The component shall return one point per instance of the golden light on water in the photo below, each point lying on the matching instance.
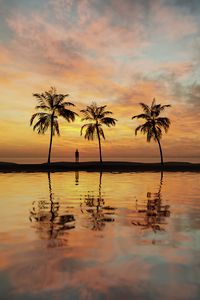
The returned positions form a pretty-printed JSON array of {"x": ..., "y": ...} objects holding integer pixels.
[{"x": 89, "y": 234}]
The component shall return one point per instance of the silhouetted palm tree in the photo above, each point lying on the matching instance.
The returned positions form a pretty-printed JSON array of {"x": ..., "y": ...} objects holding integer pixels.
[
  {"x": 97, "y": 115},
  {"x": 53, "y": 106},
  {"x": 153, "y": 123}
]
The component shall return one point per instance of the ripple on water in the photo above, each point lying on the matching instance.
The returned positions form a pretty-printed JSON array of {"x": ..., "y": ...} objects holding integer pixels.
[{"x": 100, "y": 236}]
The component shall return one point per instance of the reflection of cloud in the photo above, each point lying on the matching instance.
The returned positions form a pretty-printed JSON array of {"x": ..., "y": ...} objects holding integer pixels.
[{"x": 87, "y": 276}]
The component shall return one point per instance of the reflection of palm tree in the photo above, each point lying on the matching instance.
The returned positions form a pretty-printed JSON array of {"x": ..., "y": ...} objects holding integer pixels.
[
  {"x": 153, "y": 213},
  {"x": 161, "y": 183},
  {"x": 97, "y": 213},
  {"x": 51, "y": 224},
  {"x": 100, "y": 183},
  {"x": 97, "y": 117},
  {"x": 153, "y": 123},
  {"x": 54, "y": 207},
  {"x": 52, "y": 105}
]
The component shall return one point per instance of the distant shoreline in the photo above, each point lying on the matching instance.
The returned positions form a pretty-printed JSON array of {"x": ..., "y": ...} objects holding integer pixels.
[{"x": 107, "y": 166}]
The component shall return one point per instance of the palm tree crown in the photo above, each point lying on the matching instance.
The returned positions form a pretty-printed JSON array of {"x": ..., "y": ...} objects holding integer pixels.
[
  {"x": 153, "y": 122},
  {"x": 97, "y": 116},
  {"x": 52, "y": 105}
]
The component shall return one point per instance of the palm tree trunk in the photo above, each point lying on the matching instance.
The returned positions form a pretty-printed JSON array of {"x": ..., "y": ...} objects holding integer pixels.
[
  {"x": 159, "y": 144},
  {"x": 161, "y": 154},
  {"x": 99, "y": 140},
  {"x": 51, "y": 138}
]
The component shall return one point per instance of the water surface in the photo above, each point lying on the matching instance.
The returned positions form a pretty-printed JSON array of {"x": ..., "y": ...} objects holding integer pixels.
[
  {"x": 71, "y": 158},
  {"x": 100, "y": 236}
]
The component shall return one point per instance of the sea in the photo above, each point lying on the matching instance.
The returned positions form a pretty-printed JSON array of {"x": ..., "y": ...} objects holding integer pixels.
[
  {"x": 92, "y": 236},
  {"x": 152, "y": 159}
]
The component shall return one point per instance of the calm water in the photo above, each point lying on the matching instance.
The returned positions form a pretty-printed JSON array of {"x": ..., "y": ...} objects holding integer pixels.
[
  {"x": 93, "y": 236},
  {"x": 38, "y": 160}
]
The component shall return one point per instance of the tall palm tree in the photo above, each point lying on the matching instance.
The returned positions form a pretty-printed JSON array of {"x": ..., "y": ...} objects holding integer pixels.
[
  {"x": 52, "y": 105},
  {"x": 153, "y": 123},
  {"x": 97, "y": 117}
]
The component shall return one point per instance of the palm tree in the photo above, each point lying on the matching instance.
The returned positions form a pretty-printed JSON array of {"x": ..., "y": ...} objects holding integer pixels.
[
  {"x": 52, "y": 105},
  {"x": 97, "y": 117},
  {"x": 153, "y": 123}
]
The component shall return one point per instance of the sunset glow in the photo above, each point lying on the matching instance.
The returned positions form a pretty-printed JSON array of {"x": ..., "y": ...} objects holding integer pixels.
[{"x": 116, "y": 53}]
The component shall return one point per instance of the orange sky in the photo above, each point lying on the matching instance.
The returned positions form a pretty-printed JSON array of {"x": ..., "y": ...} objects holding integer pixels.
[{"x": 117, "y": 53}]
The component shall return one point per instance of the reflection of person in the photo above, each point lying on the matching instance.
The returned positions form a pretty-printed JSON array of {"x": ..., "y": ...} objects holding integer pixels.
[
  {"x": 76, "y": 155},
  {"x": 76, "y": 178}
]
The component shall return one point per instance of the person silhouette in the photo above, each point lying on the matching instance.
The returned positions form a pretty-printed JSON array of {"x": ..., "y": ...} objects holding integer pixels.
[{"x": 76, "y": 155}]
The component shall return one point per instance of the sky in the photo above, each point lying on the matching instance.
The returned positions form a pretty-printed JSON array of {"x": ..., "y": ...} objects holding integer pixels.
[{"x": 114, "y": 52}]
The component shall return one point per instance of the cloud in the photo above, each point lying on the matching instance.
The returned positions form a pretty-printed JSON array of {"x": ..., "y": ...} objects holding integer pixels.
[
  {"x": 115, "y": 52},
  {"x": 192, "y": 6},
  {"x": 170, "y": 20},
  {"x": 98, "y": 37},
  {"x": 194, "y": 95}
]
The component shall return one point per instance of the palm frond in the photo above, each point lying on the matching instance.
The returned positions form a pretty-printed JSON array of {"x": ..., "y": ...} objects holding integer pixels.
[
  {"x": 101, "y": 133},
  {"x": 93, "y": 110},
  {"x": 100, "y": 111},
  {"x": 137, "y": 129},
  {"x": 90, "y": 131},
  {"x": 150, "y": 135},
  {"x": 42, "y": 106},
  {"x": 83, "y": 127},
  {"x": 67, "y": 114},
  {"x": 41, "y": 99},
  {"x": 164, "y": 106},
  {"x": 147, "y": 129},
  {"x": 163, "y": 122},
  {"x": 68, "y": 103},
  {"x": 107, "y": 112},
  {"x": 32, "y": 118},
  {"x": 42, "y": 124},
  {"x": 158, "y": 133},
  {"x": 141, "y": 116},
  {"x": 50, "y": 98},
  {"x": 56, "y": 127},
  {"x": 88, "y": 114},
  {"x": 37, "y": 115},
  {"x": 59, "y": 98},
  {"x": 108, "y": 121},
  {"x": 145, "y": 107},
  {"x": 153, "y": 103},
  {"x": 156, "y": 109},
  {"x": 87, "y": 118}
]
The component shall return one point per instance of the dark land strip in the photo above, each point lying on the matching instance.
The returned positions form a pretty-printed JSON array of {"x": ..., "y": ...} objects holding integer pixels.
[{"x": 107, "y": 166}]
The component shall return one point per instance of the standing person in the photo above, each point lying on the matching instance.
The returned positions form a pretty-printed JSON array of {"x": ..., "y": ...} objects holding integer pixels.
[{"x": 76, "y": 155}]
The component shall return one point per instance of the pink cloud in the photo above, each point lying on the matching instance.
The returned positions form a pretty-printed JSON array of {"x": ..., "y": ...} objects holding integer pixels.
[
  {"x": 98, "y": 53},
  {"x": 179, "y": 69},
  {"x": 172, "y": 21}
]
